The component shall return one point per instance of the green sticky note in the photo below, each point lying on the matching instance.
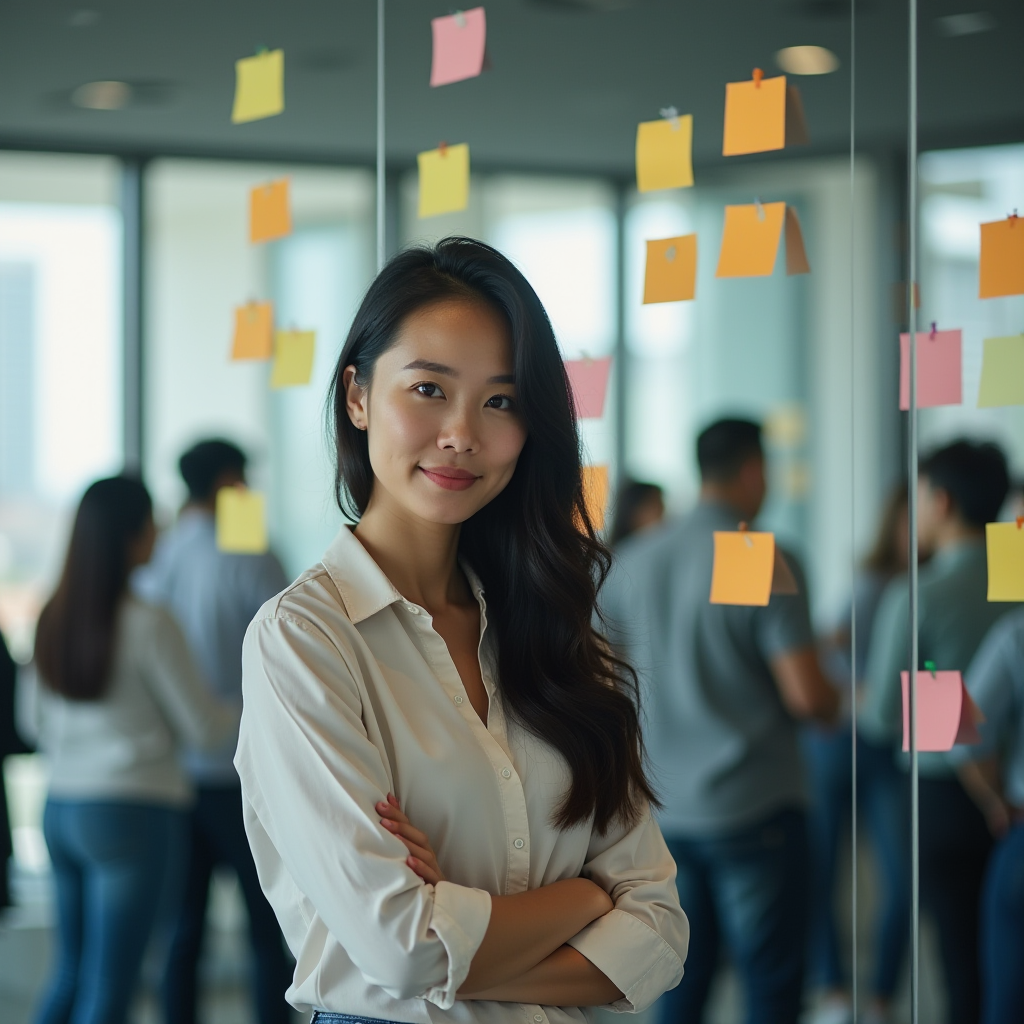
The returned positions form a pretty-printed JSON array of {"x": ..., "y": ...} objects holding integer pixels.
[{"x": 1002, "y": 372}]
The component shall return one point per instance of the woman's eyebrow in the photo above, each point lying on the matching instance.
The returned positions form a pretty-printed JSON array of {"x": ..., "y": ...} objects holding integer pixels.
[{"x": 448, "y": 371}]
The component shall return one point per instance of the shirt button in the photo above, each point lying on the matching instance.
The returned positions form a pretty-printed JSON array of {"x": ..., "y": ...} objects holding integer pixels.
[
  {"x": 458, "y": 699},
  {"x": 506, "y": 773},
  {"x": 537, "y": 1017},
  {"x": 519, "y": 844}
]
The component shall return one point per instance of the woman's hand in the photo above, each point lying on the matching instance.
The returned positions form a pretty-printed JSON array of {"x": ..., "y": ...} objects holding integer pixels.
[{"x": 422, "y": 858}]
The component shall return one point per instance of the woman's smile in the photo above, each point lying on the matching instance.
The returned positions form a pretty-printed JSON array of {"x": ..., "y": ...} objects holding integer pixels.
[{"x": 449, "y": 477}]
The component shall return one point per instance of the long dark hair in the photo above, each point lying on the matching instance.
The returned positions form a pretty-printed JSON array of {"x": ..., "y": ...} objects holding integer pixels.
[
  {"x": 75, "y": 636},
  {"x": 534, "y": 546},
  {"x": 886, "y": 556}
]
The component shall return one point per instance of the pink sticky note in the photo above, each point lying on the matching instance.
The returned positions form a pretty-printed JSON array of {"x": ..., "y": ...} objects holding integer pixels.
[
  {"x": 945, "y": 712},
  {"x": 939, "y": 369},
  {"x": 459, "y": 44},
  {"x": 589, "y": 380}
]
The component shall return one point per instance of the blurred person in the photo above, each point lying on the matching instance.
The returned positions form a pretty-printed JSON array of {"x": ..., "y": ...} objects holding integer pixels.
[
  {"x": 114, "y": 695},
  {"x": 639, "y": 506},
  {"x": 213, "y": 596},
  {"x": 725, "y": 689},
  {"x": 10, "y": 743},
  {"x": 960, "y": 488},
  {"x": 881, "y": 790},
  {"x": 993, "y": 773}
]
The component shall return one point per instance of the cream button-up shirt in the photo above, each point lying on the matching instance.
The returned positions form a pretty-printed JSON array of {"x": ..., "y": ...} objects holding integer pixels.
[{"x": 349, "y": 694}]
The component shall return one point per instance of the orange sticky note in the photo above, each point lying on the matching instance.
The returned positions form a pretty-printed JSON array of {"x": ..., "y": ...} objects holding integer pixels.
[
  {"x": 241, "y": 521},
  {"x": 1005, "y": 547},
  {"x": 671, "y": 272},
  {"x": 460, "y": 43},
  {"x": 293, "y": 358},
  {"x": 254, "y": 331},
  {"x": 664, "y": 153},
  {"x": 588, "y": 379},
  {"x": 1002, "y": 258},
  {"x": 744, "y": 567},
  {"x": 945, "y": 712},
  {"x": 750, "y": 240},
  {"x": 270, "y": 214},
  {"x": 939, "y": 369},
  {"x": 762, "y": 114},
  {"x": 595, "y": 493},
  {"x": 796, "y": 254}
]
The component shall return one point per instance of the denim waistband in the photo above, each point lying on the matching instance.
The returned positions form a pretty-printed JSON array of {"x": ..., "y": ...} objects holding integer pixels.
[{"x": 327, "y": 1017}]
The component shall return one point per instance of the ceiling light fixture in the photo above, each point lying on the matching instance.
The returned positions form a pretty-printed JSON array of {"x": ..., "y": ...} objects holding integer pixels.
[
  {"x": 954, "y": 25},
  {"x": 806, "y": 60},
  {"x": 102, "y": 95}
]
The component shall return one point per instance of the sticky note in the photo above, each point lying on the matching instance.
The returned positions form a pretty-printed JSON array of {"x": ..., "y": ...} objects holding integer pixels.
[
  {"x": 762, "y": 114},
  {"x": 589, "y": 381},
  {"x": 1005, "y": 545},
  {"x": 270, "y": 212},
  {"x": 939, "y": 369},
  {"x": 595, "y": 493},
  {"x": 796, "y": 254},
  {"x": 1002, "y": 258},
  {"x": 444, "y": 180},
  {"x": 1002, "y": 372},
  {"x": 750, "y": 240},
  {"x": 293, "y": 358},
  {"x": 460, "y": 43},
  {"x": 671, "y": 271},
  {"x": 241, "y": 521},
  {"x": 945, "y": 712},
  {"x": 664, "y": 153},
  {"x": 744, "y": 567},
  {"x": 254, "y": 331},
  {"x": 259, "y": 86}
]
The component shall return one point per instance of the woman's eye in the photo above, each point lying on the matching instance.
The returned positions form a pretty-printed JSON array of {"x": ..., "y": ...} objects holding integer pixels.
[
  {"x": 429, "y": 390},
  {"x": 503, "y": 402}
]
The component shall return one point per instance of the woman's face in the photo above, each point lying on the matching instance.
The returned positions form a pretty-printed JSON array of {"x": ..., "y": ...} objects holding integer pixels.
[{"x": 440, "y": 412}]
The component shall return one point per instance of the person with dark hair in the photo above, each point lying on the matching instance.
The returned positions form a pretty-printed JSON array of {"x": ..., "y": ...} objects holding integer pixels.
[
  {"x": 119, "y": 694},
  {"x": 639, "y": 506},
  {"x": 441, "y": 759},
  {"x": 881, "y": 790},
  {"x": 725, "y": 689},
  {"x": 960, "y": 488},
  {"x": 214, "y": 595}
]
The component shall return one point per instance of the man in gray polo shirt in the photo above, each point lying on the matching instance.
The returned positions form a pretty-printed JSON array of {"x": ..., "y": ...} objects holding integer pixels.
[{"x": 724, "y": 690}]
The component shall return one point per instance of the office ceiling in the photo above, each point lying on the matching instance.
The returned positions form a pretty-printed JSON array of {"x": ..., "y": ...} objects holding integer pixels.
[{"x": 570, "y": 78}]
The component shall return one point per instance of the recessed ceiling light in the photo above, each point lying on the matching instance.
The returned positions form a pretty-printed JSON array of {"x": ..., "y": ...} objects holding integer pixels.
[
  {"x": 83, "y": 18},
  {"x": 806, "y": 60},
  {"x": 965, "y": 24},
  {"x": 102, "y": 95}
]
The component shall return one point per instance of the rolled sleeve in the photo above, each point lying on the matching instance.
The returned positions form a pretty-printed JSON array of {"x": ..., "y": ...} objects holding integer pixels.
[
  {"x": 641, "y": 944},
  {"x": 460, "y": 919}
]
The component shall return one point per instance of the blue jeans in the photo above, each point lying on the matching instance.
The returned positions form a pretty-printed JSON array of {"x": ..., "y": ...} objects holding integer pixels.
[
  {"x": 217, "y": 837},
  {"x": 883, "y": 796},
  {"x": 1002, "y": 932},
  {"x": 115, "y": 866},
  {"x": 750, "y": 889}
]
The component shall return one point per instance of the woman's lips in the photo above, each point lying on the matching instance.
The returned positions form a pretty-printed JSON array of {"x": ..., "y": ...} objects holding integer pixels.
[{"x": 449, "y": 478}]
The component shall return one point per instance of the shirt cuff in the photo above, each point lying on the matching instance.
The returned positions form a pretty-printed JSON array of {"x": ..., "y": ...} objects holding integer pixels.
[
  {"x": 650, "y": 968},
  {"x": 460, "y": 919}
]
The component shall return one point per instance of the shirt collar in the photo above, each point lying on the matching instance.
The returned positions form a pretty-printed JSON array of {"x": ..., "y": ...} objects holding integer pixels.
[
  {"x": 361, "y": 582},
  {"x": 959, "y": 553}
]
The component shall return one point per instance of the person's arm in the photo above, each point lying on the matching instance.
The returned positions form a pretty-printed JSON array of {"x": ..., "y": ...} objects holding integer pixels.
[
  {"x": 881, "y": 701},
  {"x": 565, "y": 978},
  {"x": 982, "y": 780},
  {"x": 804, "y": 690}
]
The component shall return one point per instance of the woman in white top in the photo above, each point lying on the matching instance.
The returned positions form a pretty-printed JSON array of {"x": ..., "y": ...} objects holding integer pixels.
[
  {"x": 117, "y": 697},
  {"x": 442, "y": 769}
]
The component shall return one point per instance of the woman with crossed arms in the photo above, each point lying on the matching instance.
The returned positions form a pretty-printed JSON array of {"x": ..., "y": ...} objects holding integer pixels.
[{"x": 442, "y": 768}]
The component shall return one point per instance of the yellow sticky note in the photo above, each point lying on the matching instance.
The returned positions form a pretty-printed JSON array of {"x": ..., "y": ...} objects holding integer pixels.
[
  {"x": 595, "y": 493},
  {"x": 241, "y": 521},
  {"x": 744, "y": 567},
  {"x": 270, "y": 211},
  {"x": 1005, "y": 561},
  {"x": 1002, "y": 372},
  {"x": 293, "y": 358},
  {"x": 663, "y": 153},
  {"x": 444, "y": 180},
  {"x": 259, "y": 87},
  {"x": 750, "y": 240},
  {"x": 671, "y": 271},
  {"x": 1002, "y": 258},
  {"x": 254, "y": 331}
]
